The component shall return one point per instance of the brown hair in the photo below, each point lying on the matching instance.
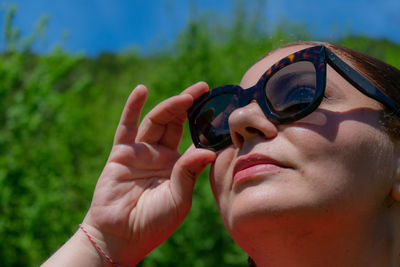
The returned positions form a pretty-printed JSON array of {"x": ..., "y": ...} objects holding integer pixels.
[{"x": 382, "y": 75}]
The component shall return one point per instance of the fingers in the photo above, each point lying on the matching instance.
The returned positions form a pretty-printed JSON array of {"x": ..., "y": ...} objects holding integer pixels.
[
  {"x": 171, "y": 114},
  {"x": 128, "y": 125},
  {"x": 186, "y": 171},
  {"x": 196, "y": 90},
  {"x": 164, "y": 124},
  {"x": 173, "y": 135}
]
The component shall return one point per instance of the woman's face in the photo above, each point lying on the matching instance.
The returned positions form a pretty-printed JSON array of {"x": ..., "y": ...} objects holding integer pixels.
[{"x": 335, "y": 165}]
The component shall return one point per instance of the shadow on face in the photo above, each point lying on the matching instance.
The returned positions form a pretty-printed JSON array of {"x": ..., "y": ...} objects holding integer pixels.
[{"x": 326, "y": 122}]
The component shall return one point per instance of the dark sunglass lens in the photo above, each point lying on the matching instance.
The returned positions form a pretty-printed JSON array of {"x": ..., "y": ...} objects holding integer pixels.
[
  {"x": 293, "y": 89},
  {"x": 211, "y": 123}
]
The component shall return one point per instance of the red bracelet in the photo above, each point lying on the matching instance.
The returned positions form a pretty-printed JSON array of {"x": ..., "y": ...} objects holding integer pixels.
[{"x": 94, "y": 243}]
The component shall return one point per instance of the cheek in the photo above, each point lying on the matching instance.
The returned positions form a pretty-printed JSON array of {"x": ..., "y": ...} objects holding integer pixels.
[
  {"x": 351, "y": 161},
  {"x": 342, "y": 136},
  {"x": 219, "y": 176}
]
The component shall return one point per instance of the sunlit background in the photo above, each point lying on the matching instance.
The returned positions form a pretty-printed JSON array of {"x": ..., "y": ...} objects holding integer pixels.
[{"x": 67, "y": 67}]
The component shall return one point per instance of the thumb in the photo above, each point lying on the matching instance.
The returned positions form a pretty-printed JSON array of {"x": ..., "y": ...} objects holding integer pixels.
[{"x": 186, "y": 171}]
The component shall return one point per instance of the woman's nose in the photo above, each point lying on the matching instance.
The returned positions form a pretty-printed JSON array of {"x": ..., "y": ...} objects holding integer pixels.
[{"x": 250, "y": 122}]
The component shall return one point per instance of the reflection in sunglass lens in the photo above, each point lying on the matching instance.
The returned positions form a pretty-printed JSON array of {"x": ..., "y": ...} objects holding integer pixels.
[
  {"x": 292, "y": 89},
  {"x": 212, "y": 121}
]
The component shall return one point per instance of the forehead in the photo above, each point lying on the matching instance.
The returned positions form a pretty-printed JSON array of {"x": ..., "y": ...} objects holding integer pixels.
[{"x": 254, "y": 73}]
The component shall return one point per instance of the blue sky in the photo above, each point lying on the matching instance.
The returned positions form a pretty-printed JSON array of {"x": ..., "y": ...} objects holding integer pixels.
[{"x": 93, "y": 26}]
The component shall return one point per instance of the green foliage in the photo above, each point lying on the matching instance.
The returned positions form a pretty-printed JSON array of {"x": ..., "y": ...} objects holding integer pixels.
[
  {"x": 46, "y": 149},
  {"x": 58, "y": 113}
]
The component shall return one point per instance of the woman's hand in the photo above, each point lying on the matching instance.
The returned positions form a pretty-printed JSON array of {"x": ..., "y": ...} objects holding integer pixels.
[{"x": 145, "y": 190}]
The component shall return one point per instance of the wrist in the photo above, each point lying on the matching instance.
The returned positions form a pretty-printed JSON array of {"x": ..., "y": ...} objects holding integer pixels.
[
  {"x": 98, "y": 245},
  {"x": 113, "y": 250},
  {"x": 77, "y": 251}
]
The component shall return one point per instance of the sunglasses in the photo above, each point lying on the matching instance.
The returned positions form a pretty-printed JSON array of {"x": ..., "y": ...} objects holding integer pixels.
[{"x": 288, "y": 91}]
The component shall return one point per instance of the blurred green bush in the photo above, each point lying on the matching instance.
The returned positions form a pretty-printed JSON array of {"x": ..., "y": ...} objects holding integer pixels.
[{"x": 58, "y": 113}]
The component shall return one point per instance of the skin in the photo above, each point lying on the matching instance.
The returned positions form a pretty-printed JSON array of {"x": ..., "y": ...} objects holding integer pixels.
[
  {"x": 336, "y": 202},
  {"x": 332, "y": 203},
  {"x": 145, "y": 190}
]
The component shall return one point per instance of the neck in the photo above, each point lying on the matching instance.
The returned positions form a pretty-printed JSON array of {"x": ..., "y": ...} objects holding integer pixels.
[{"x": 294, "y": 242}]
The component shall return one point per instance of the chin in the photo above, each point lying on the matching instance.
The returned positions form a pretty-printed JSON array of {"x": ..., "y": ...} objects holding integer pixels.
[{"x": 263, "y": 207}]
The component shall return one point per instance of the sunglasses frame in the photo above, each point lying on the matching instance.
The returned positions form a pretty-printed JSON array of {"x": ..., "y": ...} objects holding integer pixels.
[{"x": 319, "y": 56}]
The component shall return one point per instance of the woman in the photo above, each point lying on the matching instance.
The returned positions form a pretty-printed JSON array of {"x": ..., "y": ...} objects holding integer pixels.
[{"x": 305, "y": 165}]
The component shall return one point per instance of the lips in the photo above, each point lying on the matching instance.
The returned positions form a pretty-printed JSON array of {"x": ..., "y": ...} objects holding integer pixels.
[{"x": 255, "y": 165}]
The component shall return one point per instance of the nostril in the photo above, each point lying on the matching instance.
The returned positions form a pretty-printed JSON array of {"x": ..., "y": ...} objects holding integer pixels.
[
  {"x": 239, "y": 138},
  {"x": 253, "y": 130}
]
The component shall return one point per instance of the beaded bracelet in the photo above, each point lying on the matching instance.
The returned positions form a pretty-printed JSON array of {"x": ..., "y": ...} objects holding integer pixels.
[{"x": 98, "y": 248}]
